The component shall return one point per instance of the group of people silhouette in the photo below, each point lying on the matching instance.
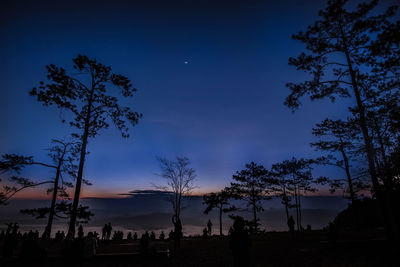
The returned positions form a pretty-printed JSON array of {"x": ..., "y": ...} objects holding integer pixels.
[
  {"x": 26, "y": 242},
  {"x": 86, "y": 246},
  {"x": 207, "y": 231},
  {"x": 106, "y": 231}
]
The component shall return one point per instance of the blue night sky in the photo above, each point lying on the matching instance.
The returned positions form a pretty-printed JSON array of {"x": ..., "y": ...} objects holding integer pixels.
[{"x": 222, "y": 110}]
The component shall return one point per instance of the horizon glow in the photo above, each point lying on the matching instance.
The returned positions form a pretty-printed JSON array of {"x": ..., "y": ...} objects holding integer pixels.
[{"x": 222, "y": 110}]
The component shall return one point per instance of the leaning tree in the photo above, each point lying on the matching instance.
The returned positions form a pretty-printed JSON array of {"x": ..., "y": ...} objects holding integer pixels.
[
  {"x": 90, "y": 94},
  {"x": 63, "y": 157}
]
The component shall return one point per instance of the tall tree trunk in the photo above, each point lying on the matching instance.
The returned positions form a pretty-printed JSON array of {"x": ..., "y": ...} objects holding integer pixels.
[
  {"x": 363, "y": 125},
  {"x": 299, "y": 223},
  {"x": 47, "y": 230},
  {"x": 71, "y": 229},
  {"x": 285, "y": 201},
  {"x": 286, "y": 207},
  {"x": 255, "y": 217},
  {"x": 349, "y": 181},
  {"x": 386, "y": 206},
  {"x": 297, "y": 206},
  {"x": 385, "y": 171},
  {"x": 220, "y": 221}
]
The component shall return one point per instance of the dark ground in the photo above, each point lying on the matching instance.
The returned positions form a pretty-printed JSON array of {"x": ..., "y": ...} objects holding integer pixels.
[{"x": 270, "y": 249}]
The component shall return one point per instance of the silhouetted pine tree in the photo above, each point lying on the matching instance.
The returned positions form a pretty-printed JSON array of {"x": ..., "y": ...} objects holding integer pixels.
[
  {"x": 337, "y": 136},
  {"x": 295, "y": 179},
  {"x": 220, "y": 201},
  {"x": 342, "y": 63},
  {"x": 252, "y": 185},
  {"x": 92, "y": 100}
]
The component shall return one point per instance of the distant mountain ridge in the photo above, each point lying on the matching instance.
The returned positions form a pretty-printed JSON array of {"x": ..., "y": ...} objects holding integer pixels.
[{"x": 149, "y": 210}]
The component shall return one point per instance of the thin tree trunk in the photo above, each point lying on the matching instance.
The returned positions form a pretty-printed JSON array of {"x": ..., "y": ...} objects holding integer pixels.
[
  {"x": 386, "y": 206},
  {"x": 255, "y": 217},
  {"x": 47, "y": 233},
  {"x": 299, "y": 223},
  {"x": 71, "y": 229},
  {"x": 285, "y": 201},
  {"x": 362, "y": 122},
  {"x": 286, "y": 208},
  {"x": 349, "y": 181},
  {"x": 297, "y": 206},
  {"x": 387, "y": 181},
  {"x": 220, "y": 221}
]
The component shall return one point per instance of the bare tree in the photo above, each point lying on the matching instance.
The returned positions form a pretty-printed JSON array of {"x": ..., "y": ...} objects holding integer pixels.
[{"x": 180, "y": 178}]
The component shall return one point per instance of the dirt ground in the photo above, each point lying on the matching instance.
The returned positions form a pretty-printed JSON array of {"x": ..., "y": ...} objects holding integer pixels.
[{"x": 270, "y": 249}]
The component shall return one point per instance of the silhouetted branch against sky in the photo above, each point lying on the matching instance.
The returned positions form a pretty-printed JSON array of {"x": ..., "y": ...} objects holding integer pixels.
[
  {"x": 180, "y": 179},
  {"x": 92, "y": 102}
]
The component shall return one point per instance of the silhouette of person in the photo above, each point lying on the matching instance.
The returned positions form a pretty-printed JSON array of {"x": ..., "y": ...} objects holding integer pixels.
[
  {"x": 135, "y": 236},
  {"x": 104, "y": 232},
  {"x": 171, "y": 235},
  {"x": 152, "y": 236},
  {"x": 81, "y": 234},
  {"x": 178, "y": 231},
  {"x": 10, "y": 240},
  {"x": 239, "y": 243},
  {"x": 291, "y": 224},
  {"x": 109, "y": 230},
  {"x": 205, "y": 232},
  {"x": 162, "y": 235},
  {"x": 209, "y": 225},
  {"x": 144, "y": 243},
  {"x": 332, "y": 232},
  {"x": 90, "y": 245},
  {"x": 58, "y": 236},
  {"x": 36, "y": 237},
  {"x": 129, "y": 237},
  {"x": 30, "y": 248}
]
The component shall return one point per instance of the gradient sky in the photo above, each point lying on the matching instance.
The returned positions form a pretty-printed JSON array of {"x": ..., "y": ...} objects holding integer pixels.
[{"x": 222, "y": 110}]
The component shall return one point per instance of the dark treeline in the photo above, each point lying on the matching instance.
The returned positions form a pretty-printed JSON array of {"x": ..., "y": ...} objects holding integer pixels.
[{"x": 350, "y": 54}]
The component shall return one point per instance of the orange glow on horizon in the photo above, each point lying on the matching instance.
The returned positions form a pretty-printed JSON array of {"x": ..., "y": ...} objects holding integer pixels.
[{"x": 40, "y": 194}]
